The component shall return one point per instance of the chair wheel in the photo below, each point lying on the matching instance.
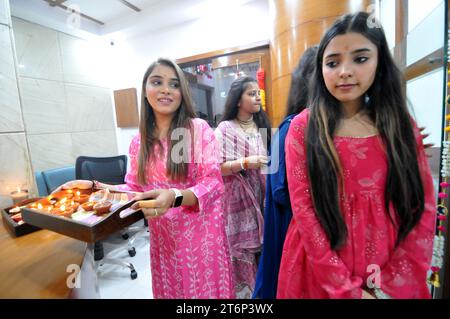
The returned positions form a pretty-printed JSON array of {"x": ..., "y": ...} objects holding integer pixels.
[
  {"x": 125, "y": 236},
  {"x": 132, "y": 252},
  {"x": 133, "y": 275}
]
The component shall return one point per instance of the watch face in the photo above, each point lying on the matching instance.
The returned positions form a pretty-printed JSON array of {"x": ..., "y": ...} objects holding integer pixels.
[
  {"x": 178, "y": 200},
  {"x": 178, "y": 197}
]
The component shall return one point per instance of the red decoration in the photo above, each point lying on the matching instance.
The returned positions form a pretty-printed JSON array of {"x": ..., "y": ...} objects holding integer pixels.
[
  {"x": 260, "y": 75},
  {"x": 435, "y": 269}
]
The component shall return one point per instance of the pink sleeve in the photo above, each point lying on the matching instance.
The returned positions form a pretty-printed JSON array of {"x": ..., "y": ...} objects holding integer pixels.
[
  {"x": 404, "y": 276},
  {"x": 208, "y": 185},
  {"x": 131, "y": 177},
  {"x": 330, "y": 273}
]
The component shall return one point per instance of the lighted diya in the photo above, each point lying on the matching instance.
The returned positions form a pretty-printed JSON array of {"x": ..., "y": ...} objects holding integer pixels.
[
  {"x": 63, "y": 211},
  {"x": 88, "y": 206},
  {"x": 102, "y": 207},
  {"x": 44, "y": 207},
  {"x": 81, "y": 198},
  {"x": 68, "y": 194},
  {"x": 33, "y": 205},
  {"x": 61, "y": 202},
  {"x": 17, "y": 217},
  {"x": 49, "y": 200},
  {"x": 74, "y": 205},
  {"x": 14, "y": 210}
]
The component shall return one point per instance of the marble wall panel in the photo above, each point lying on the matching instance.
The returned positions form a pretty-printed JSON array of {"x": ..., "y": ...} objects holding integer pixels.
[
  {"x": 15, "y": 168},
  {"x": 44, "y": 106},
  {"x": 10, "y": 112},
  {"x": 89, "y": 108},
  {"x": 37, "y": 49}
]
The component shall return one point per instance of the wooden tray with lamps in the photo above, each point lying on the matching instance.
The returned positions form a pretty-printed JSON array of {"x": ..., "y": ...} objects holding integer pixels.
[
  {"x": 13, "y": 221},
  {"x": 93, "y": 228}
]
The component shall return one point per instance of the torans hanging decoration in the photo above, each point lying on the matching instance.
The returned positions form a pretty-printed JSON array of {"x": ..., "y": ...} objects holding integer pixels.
[
  {"x": 260, "y": 75},
  {"x": 437, "y": 261},
  {"x": 204, "y": 70},
  {"x": 442, "y": 212}
]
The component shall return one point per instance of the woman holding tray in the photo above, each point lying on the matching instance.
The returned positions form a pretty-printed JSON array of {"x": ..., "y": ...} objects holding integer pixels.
[{"x": 174, "y": 163}]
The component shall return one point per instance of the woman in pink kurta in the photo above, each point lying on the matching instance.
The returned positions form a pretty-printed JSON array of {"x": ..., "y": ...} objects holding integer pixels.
[
  {"x": 310, "y": 269},
  {"x": 188, "y": 246},
  {"x": 360, "y": 185},
  {"x": 175, "y": 170},
  {"x": 174, "y": 165}
]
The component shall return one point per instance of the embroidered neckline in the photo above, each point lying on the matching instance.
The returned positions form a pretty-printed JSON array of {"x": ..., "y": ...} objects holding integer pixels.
[{"x": 358, "y": 137}]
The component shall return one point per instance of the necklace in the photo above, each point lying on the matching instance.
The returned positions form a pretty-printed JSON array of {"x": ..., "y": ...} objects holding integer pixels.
[
  {"x": 247, "y": 122},
  {"x": 247, "y": 126}
]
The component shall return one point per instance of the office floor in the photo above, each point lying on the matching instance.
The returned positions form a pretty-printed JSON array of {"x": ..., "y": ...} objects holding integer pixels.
[{"x": 114, "y": 281}]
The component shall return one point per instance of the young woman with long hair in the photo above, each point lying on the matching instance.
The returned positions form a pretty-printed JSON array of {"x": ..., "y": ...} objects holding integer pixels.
[
  {"x": 360, "y": 185},
  {"x": 243, "y": 136},
  {"x": 174, "y": 163}
]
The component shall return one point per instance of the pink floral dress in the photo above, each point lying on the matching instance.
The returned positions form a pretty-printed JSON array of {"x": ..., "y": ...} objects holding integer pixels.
[
  {"x": 188, "y": 246},
  {"x": 310, "y": 269}
]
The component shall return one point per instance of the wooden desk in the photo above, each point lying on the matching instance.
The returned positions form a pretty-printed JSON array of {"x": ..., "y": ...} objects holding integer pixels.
[{"x": 35, "y": 265}]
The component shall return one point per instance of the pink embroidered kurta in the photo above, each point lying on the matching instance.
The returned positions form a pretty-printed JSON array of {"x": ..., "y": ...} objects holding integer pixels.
[
  {"x": 310, "y": 269},
  {"x": 188, "y": 246},
  {"x": 244, "y": 193}
]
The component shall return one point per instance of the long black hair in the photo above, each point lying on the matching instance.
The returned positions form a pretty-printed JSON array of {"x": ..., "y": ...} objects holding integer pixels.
[
  {"x": 387, "y": 108},
  {"x": 237, "y": 88},
  {"x": 301, "y": 76}
]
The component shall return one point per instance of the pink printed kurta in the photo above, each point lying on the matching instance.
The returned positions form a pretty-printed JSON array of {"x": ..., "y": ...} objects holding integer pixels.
[
  {"x": 244, "y": 193},
  {"x": 188, "y": 246},
  {"x": 310, "y": 269}
]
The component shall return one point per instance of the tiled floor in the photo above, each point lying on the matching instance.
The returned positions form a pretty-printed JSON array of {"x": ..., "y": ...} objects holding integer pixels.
[{"x": 114, "y": 281}]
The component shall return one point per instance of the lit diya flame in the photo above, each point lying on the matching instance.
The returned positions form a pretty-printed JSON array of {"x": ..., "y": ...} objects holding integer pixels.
[
  {"x": 51, "y": 200},
  {"x": 78, "y": 193},
  {"x": 39, "y": 206}
]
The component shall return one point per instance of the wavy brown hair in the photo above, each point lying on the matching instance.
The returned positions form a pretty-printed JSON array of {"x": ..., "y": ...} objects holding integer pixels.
[
  {"x": 147, "y": 125},
  {"x": 388, "y": 110}
]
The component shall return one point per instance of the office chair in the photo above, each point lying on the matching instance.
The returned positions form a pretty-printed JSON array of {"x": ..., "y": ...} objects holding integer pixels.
[
  {"x": 40, "y": 183},
  {"x": 47, "y": 181},
  {"x": 109, "y": 170}
]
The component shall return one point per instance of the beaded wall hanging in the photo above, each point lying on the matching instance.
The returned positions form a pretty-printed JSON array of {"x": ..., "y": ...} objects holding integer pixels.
[{"x": 442, "y": 212}]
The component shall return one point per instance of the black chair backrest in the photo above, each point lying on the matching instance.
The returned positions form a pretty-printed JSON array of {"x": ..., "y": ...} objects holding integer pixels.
[{"x": 110, "y": 170}]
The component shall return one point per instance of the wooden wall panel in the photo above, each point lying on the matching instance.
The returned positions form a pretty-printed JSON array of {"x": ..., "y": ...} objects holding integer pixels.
[
  {"x": 298, "y": 25},
  {"x": 125, "y": 102}
]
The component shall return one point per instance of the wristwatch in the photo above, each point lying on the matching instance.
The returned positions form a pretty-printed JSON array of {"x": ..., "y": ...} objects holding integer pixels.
[{"x": 178, "y": 197}]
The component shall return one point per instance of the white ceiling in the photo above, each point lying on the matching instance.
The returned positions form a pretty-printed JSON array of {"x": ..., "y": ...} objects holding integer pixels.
[{"x": 119, "y": 20}]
